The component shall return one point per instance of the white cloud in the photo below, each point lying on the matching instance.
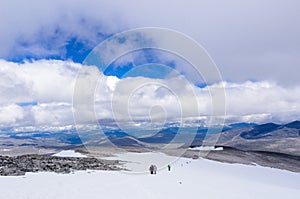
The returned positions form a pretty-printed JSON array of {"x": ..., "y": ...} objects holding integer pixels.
[
  {"x": 10, "y": 114},
  {"x": 51, "y": 84},
  {"x": 52, "y": 114},
  {"x": 249, "y": 101},
  {"x": 41, "y": 81},
  {"x": 262, "y": 102},
  {"x": 48, "y": 83}
]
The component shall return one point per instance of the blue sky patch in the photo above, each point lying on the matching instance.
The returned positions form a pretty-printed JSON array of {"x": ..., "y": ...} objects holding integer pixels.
[{"x": 24, "y": 104}]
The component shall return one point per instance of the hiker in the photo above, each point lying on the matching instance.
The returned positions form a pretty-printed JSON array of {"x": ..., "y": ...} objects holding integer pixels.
[
  {"x": 155, "y": 169},
  {"x": 151, "y": 169},
  {"x": 169, "y": 167}
]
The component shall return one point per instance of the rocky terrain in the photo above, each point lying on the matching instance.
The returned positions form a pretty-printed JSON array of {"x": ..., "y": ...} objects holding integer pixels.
[
  {"x": 270, "y": 137},
  {"x": 19, "y": 165}
]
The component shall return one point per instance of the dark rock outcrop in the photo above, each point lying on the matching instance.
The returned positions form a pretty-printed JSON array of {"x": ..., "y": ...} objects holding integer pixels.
[{"x": 19, "y": 165}]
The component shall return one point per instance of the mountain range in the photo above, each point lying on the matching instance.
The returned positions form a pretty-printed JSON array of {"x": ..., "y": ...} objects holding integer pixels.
[{"x": 269, "y": 137}]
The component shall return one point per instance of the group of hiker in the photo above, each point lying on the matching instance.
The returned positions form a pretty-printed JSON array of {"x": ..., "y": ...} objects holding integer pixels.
[{"x": 153, "y": 169}]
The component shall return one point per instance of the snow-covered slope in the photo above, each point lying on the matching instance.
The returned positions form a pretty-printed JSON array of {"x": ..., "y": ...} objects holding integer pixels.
[{"x": 187, "y": 179}]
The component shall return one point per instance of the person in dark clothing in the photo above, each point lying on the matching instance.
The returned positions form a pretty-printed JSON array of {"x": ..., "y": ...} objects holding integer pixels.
[
  {"x": 151, "y": 169},
  {"x": 169, "y": 167}
]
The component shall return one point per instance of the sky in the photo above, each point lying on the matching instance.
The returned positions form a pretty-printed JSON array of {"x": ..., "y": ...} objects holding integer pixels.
[{"x": 255, "y": 46}]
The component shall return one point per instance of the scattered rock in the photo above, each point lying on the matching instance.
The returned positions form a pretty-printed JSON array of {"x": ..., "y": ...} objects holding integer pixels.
[{"x": 19, "y": 165}]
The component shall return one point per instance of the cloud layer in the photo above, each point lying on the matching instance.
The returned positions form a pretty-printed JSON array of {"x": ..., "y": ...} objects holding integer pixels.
[{"x": 51, "y": 83}]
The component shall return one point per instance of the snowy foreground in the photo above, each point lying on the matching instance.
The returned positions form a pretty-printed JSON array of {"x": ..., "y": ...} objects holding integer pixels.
[{"x": 187, "y": 179}]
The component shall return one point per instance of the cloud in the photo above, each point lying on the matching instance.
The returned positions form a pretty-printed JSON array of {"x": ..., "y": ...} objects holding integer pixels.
[
  {"x": 10, "y": 114},
  {"x": 47, "y": 86},
  {"x": 52, "y": 114},
  {"x": 262, "y": 102},
  {"x": 43, "y": 86},
  {"x": 42, "y": 81},
  {"x": 249, "y": 101},
  {"x": 42, "y": 29},
  {"x": 255, "y": 45},
  {"x": 251, "y": 40}
]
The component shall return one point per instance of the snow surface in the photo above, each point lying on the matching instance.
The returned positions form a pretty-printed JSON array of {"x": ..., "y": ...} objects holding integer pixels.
[
  {"x": 206, "y": 148},
  {"x": 187, "y": 179},
  {"x": 5, "y": 150},
  {"x": 69, "y": 153},
  {"x": 140, "y": 162}
]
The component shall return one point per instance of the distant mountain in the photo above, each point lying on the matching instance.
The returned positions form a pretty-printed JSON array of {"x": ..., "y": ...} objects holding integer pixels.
[
  {"x": 260, "y": 131},
  {"x": 266, "y": 130},
  {"x": 266, "y": 137},
  {"x": 126, "y": 141},
  {"x": 245, "y": 136},
  {"x": 295, "y": 125},
  {"x": 238, "y": 125},
  {"x": 163, "y": 136}
]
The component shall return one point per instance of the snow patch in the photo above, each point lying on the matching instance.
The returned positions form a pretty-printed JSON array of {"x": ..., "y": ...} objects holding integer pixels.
[
  {"x": 69, "y": 153},
  {"x": 206, "y": 148}
]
